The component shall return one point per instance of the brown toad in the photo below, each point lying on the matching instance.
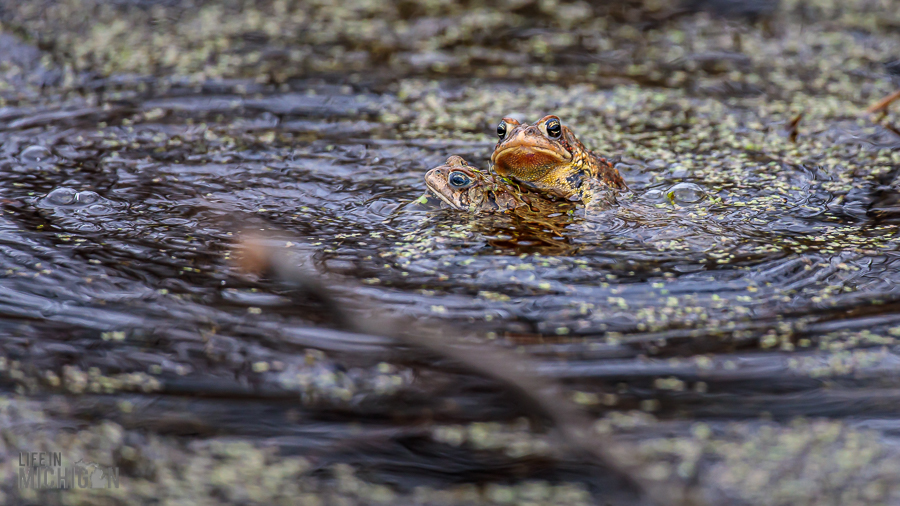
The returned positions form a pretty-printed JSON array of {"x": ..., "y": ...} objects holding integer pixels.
[
  {"x": 547, "y": 157},
  {"x": 466, "y": 188}
]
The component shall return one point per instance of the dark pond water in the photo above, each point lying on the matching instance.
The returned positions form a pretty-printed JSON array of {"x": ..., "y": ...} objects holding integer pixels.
[{"x": 732, "y": 322}]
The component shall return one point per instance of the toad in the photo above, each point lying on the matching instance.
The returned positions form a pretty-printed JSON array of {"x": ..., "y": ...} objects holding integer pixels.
[
  {"x": 545, "y": 156},
  {"x": 465, "y": 188}
]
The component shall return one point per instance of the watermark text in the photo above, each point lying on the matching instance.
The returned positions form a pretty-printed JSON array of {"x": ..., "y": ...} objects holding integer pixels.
[{"x": 45, "y": 470}]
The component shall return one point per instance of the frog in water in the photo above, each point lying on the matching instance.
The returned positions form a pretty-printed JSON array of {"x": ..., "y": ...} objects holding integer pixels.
[
  {"x": 466, "y": 188},
  {"x": 547, "y": 157}
]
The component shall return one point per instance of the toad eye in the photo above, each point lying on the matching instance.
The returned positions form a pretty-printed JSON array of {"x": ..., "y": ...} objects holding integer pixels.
[
  {"x": 554, "y": 130},
  {"x": 459, "y": 180},
  {"x": 501, "y": 130}
]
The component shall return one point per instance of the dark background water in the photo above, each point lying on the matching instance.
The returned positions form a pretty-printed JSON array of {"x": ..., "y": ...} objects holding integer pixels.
[{"x": 732, "y": 323}]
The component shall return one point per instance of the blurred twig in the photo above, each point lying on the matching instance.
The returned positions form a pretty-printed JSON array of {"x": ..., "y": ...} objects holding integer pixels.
[
  {"x": 539, "y": 396},
  {"x": 882, "y": 105}
]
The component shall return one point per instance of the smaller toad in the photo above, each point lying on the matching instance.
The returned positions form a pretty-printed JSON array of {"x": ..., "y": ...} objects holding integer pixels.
[{"x": 465, "y": 188}]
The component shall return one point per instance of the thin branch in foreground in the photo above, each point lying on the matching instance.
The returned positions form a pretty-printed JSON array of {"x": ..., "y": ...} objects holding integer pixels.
[
  {"x": 882, "y": 105},
  {"x": 539, "y": 396}
]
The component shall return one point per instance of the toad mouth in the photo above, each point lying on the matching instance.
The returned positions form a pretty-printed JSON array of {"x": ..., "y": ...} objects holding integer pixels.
[
  {"x": 440, "y": 196},
  {"x": 533, "y": 150}
]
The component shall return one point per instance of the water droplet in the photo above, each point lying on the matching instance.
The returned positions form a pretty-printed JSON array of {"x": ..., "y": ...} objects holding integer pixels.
[
  {"x": 61, "y": 197},
  {"x": 686, "y": 193},
  {"x": 36, "y": 154}
]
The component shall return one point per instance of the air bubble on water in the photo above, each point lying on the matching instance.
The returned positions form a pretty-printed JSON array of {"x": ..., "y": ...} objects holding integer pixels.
[
  {"x": 36, "y": 154},
  {"x": 68, "y": 197},
  {"x": 686, "y": 193},
  {"x": 85, "y": 227},
  {"x": 87, "y": 197},
  {"x": 98, "y": 210},
  {"x": 61, "y": 197}
]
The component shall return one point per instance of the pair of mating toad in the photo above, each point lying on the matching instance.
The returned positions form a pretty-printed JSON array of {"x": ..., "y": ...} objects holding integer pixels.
[{"x": 534, "y": 162}]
